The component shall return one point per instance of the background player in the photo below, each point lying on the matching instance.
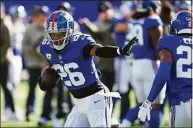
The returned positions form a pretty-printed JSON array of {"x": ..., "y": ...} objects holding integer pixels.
[
  {"x": 122, "y": 64},
  {"x": 175, "y": 68},
  {"x": 147, "y": 25},
  {"x": 77, "y": 69}
]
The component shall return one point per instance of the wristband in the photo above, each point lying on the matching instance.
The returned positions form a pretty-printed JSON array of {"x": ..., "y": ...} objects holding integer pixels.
[{"x": 118, "y": 51}]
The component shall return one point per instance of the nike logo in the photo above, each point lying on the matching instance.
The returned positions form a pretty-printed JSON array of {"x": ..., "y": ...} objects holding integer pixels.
[{"x": 96, "y": 101}]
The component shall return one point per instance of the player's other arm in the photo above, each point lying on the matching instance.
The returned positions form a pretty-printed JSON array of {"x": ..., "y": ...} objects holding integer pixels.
[
  {"x": 108, "y": 51},
  {"x": 155, "y": 33},
  {"x": 121, "y": 27},
  {"x": 161, "y": 78},
  {"x": 162, "y": 75}
]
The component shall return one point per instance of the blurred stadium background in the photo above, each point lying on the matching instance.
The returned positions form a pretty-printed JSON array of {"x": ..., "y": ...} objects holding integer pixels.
[{"x": 87, "y": 9}]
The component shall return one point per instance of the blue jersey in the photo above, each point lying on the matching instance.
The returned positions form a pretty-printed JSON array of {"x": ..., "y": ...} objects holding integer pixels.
[
  {"x": 76, "y": 71},
  {"x": 120, "y": 37},
  {"x": 140, "y": 28},
  {"x": 180, "y": 76}
]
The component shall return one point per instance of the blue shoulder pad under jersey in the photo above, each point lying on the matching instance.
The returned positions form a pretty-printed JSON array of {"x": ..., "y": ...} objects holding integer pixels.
[
  {"x": 165, "y": 43},
  {"x": 154, "y": 21},
  {"x": 120, "y": 37}
]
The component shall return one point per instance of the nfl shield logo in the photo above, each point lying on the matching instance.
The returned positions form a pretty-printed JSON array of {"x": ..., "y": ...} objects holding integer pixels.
[{"x": 49, "y": 56}]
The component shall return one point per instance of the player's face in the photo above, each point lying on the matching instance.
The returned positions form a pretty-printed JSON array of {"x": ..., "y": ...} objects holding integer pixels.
[
  {"x": 40, "y": 19},
  {"x": 58, "y": 38}
]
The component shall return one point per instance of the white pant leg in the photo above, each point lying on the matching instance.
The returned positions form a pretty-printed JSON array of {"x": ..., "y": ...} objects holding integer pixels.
[
  {"x": 181, "y": 115},
  {"x": 77, "y": 120},
  {"x": 100, "y": 110},
  {"x": 92, "y": 111},
  {"x": 151, "y": 69},
  {"x": 143, "y": 75},
  {"x": 78, "y": 116},
  {"x": 15, "y": 70},
  {"x": 137, "y": 80},
  {"x": 122, "y": 74}
]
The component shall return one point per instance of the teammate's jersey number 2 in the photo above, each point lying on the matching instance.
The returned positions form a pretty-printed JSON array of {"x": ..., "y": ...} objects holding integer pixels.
[
  {"x": 183, "y": 61},
  {"x": 75, "y": 78}
]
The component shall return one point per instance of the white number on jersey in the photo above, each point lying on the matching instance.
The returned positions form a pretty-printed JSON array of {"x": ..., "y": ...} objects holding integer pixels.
[
  {"x": 136, "y": 30},
  {"x": 64, "y": 71},
  {"x": 183, "y": 61}
]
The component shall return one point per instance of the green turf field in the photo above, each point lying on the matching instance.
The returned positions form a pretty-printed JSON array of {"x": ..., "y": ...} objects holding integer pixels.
[{"x": 20, "y": 100}]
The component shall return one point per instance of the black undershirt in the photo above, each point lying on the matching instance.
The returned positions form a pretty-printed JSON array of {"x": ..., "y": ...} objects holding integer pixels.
[{"x": 101, "y": 51}]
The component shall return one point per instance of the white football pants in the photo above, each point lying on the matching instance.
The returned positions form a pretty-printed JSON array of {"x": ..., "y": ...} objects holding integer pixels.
[
  {"x": 180, "y": 115},
  {"x": 122, "y": 74},
  {"x": 143, "y": 74},
  {"x": 91, "y": 111},
  {"x": 15, "y": 70}
]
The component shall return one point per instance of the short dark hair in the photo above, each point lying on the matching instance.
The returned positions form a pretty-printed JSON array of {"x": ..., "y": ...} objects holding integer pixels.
[
  {"x": 38, "y": 10},
  {"x": 65, "y": 6},
  {"x": 104, "y": 5}
]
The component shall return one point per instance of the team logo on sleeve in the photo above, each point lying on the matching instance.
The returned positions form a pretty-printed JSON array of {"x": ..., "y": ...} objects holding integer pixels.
[{"x": 49, "y": 56}]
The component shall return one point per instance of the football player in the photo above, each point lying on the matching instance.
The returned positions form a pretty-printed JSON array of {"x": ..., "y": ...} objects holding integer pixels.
[
  {"x": 175, "y": 68},
  {"x": 122, "y": 64},
  {"x": 147, "y": 25},
  {"x": 71, "y": 55}
]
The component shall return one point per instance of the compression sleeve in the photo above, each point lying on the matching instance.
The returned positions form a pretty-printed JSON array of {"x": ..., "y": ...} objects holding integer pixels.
[
  {"x": 101, "y": 51},
  {"x": 161, "y": 78}
]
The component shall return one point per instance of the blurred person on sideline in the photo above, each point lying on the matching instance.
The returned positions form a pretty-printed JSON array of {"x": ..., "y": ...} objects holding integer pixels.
[
  {"x": 101, "y": 30},
  {"x": 65, "y": 6},
  {"x": 64, "y": 102},
  {"x": 169, "y": 8},
  {"x": 33, "y": 35},
  {"x": 17, "y": 13},
  {"x": 5, "y": 54}
]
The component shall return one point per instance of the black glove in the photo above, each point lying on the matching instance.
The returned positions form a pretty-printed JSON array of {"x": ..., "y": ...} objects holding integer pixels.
[{"x": 126, "y": 50}]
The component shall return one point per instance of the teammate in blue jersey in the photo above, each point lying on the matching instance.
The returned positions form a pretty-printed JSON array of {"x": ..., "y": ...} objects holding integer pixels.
[
  {"x": 147, "y": 25},
  {"x": 71, "y": 55},
  {"x": 175, "y": 69},
  {"x": 122, "y": 69}
]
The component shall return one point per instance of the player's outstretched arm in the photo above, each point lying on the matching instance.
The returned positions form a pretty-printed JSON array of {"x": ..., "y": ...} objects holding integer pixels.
[
  {"x": 109, "y": 51},
  {"x": 161, "y": 78}
]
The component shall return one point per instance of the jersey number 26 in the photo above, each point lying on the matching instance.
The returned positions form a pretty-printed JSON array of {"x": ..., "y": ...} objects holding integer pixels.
[{"x": 75, "y": 78}]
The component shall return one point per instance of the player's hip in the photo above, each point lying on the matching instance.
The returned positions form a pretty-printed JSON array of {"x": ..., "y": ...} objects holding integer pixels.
[
  {"x": 144, "y": 68},
  {"x": 94, "y": 102},
  {"x": 87, "y": 91}
]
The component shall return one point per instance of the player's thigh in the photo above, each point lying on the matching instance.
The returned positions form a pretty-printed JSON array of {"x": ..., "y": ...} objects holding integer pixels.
[
  {"x": 137, "y": 83},
  {"x": 123, "y": 76},
  {"x": 151, "y": 69},
  {"x": 188, "y": 108},
  {"x": 149, "y": 76},
  {"x": 77, "y": 120},
  {"x": 100, "y": 111}
]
